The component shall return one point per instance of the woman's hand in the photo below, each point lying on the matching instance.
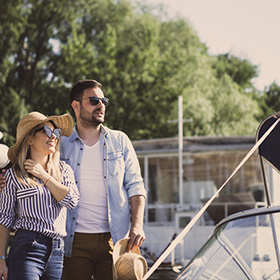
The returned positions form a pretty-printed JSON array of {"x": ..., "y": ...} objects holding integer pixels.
[
  {"x": 4, "y": 238},
  {"x": 36, "y": 169},
  {"x": 58, "y": 190},
  {"x": 3, "y": 270}
]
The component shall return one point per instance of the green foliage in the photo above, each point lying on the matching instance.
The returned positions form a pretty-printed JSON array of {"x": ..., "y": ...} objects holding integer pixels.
[
  {"x": 10, "y": 28},
  {"x": 143, "y": 62},
  {"x": 240, "y": 70},
  {"x": 269, "y": 101},
  {"x": 217, "y": 106},
  {"x": 12, "y": 109}
]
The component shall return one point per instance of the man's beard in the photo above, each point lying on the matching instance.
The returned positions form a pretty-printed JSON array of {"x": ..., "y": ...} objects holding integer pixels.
[{"x": 88, "y": 120}]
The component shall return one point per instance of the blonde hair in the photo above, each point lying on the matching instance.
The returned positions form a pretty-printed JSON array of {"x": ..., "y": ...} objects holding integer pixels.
[{"x": 53, "y": 167}]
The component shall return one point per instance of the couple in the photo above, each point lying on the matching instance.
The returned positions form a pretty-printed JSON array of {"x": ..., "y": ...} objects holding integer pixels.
[{"x": 107, "y": 174}]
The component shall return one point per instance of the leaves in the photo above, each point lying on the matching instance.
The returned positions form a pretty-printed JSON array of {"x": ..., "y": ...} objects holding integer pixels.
[{"x": 143, "y": 61}]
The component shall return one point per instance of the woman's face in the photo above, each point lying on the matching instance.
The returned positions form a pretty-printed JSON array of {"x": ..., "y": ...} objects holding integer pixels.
[{"x": 40, "y": 143}]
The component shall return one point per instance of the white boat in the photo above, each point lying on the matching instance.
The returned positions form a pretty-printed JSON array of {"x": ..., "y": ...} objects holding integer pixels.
[{"x": 245, "y": 245}]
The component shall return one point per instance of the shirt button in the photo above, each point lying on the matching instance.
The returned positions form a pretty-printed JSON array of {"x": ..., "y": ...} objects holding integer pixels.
[{"x": 78, "y": 164}]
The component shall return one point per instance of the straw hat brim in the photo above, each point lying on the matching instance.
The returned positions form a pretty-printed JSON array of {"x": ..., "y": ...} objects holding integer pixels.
[
  {"x": 31, "y": 120},
  {"x": 128, "y": 265},
  {"x": 120, "y": 249}
]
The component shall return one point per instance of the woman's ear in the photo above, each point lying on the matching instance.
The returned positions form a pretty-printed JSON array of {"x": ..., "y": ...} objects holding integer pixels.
[{"x": 29, "y": 140}]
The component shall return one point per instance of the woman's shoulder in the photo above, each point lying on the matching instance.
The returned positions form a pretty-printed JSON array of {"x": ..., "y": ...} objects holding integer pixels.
[
  {"x": 10, "y": 172},
  {"x": 65, "y": 167},
  {"x": 12, "y": 178}
]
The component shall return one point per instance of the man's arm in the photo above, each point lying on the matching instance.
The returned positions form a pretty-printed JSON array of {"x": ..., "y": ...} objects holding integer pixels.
[
  {"x": 136, "y": 234},
  {"x": 2, "y": 179}
]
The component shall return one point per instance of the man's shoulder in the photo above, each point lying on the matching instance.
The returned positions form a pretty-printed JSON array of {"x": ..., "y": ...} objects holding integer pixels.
[
  {"x": 65, "y": 139},
  {"x": 72, "y": 137},
  {"x": 114, "y": 132}
]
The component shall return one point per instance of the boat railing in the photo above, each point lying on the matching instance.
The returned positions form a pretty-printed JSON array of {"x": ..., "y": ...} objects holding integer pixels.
[{"x": 170, "y": 219}]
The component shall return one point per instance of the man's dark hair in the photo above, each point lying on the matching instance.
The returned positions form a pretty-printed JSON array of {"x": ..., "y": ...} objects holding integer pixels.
[{"x": 77, "y": 90}]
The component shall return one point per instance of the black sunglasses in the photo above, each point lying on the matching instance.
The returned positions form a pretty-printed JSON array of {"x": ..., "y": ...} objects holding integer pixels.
[
  {"x": 49, "y": 132},
  {"x": 95, "y": 100}
]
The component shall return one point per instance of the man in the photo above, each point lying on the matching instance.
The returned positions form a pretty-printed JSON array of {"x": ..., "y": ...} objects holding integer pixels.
[
  {"x": 108, "y": 176},
  {"x": 112, "y": 193}
]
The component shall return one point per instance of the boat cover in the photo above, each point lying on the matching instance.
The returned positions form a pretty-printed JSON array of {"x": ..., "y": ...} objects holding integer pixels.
[{"x": 270, "y": 147}]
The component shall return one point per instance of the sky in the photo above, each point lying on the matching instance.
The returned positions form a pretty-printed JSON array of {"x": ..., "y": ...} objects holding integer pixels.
[{"x": 249, "y": 29}]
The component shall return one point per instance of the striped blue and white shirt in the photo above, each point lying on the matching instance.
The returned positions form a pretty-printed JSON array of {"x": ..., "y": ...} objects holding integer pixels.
[{"x": 34, "y": 208}]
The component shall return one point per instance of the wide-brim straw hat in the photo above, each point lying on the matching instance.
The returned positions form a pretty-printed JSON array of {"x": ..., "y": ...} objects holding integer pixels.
[
  {"x": 33, "y": 119},
  {"x": 128, "y": 265}
]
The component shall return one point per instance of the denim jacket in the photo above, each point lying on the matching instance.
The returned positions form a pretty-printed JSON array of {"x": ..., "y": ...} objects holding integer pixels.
[{"x": 122, "y": 179}]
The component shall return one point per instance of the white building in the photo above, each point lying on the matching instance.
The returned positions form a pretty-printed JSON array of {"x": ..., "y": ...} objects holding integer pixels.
[{"x": 207, "y": 163}]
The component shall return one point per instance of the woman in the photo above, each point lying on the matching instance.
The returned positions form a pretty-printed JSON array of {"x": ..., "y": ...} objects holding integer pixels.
[{"x": 38, "y": 190}]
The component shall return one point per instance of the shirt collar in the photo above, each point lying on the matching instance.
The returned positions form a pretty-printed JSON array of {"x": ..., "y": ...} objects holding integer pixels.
[
  {"x": 104, "y": 131},
  {"x": 75, "y": 135}
]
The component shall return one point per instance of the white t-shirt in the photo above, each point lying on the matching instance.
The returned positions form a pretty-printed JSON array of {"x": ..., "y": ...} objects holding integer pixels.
[{"x": 93, "y": 205}]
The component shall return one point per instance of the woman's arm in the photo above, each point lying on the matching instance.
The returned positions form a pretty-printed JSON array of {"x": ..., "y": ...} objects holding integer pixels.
[
  {"x": 4, "y": 237},
  {"x": 72, "y": 198},
  {"x": 66, "y": 193},
  {"x": 58, "y": 190}
]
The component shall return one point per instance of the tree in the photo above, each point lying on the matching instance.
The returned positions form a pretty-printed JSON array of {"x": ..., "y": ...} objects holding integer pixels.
[
  {"x": 12, "y": 106},
  {"x": 269, "y": 101},
  {"x": 241, "y": 71},
  {"x": 143, "y": 61},
  {"x": 11, "y": 25},
  {"x": 26, "y": 53}
]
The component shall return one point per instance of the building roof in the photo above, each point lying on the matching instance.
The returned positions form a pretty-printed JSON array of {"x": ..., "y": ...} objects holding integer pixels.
[{"x": 194, "y": 144}]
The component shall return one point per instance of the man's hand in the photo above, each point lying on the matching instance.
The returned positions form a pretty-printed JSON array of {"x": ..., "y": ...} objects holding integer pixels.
[
  {"x": 137, "y": 237},
  {"x": 2, "y": 179}
]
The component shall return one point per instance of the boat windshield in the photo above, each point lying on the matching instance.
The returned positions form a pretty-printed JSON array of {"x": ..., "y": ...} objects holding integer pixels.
[{"x": 245, "y": 248}]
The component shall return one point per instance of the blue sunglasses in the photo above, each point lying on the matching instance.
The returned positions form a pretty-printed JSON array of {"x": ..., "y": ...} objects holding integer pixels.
[{"x": 49, "y": 132}]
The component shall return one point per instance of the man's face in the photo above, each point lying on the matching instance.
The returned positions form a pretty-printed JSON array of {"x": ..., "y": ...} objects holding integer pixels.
[{"x": 91, "y": 115}]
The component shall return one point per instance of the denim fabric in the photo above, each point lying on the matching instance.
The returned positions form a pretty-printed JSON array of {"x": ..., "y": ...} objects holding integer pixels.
[
  {"x": 34, "y": 256},
  {"x": 121, "y": 174}
]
